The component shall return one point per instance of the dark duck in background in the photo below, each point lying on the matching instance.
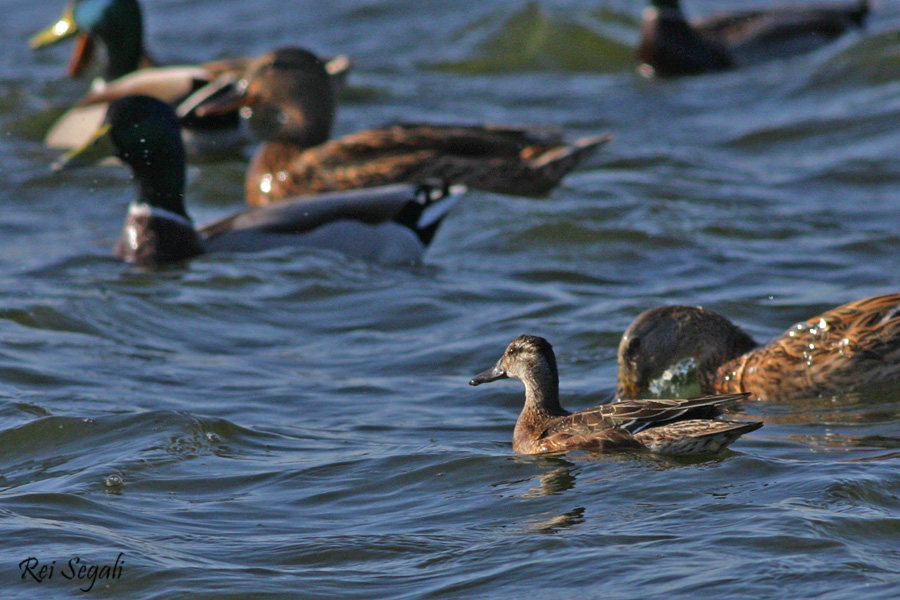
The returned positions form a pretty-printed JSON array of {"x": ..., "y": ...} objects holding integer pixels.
[{"x": 670, "y": 45}]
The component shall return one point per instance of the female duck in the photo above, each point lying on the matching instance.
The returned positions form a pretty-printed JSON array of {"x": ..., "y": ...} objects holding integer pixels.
[
  {"x": 672, "y": 46},
  {"x": 843, "y": 350},
  {"x": 667, "y": 426},
  {"x": 392, "y": 224},
  {"x": 284, "y": 94},
  {"x": 118, "y": 26}
]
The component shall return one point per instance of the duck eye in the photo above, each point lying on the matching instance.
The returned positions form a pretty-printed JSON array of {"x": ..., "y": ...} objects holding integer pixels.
[{"x": 634, "y": 346}]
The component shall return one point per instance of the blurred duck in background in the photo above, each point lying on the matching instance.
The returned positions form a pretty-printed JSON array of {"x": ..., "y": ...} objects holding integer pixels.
[
  {"x": 670, "y": 45},
  {"x": 391, "y": 224},
  {"x": 846, "y": 349},
  {"x": 283, "y": 96},
  {"x": 118, "y": 26}
]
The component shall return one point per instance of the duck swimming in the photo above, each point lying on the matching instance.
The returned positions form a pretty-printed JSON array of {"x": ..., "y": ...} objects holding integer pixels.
[
  {"x": 282, "y": 97},
  {"x": 118, "y": 26},
  {"x": 665, "y": 426},
  {"x": 842, "y": 350},
  {"x": 388, "y": 224},
  {"x": 672, "y": 46}
]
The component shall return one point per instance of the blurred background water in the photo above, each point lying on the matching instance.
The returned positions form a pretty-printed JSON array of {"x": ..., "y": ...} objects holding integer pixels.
[{"x": 298, "y": 424}]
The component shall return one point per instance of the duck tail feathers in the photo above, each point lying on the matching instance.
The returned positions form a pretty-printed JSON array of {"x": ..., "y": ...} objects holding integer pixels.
[
  {"x": 338, "y": 68},
  {"x": 547, "y": 169},
  {"x": 695, "y": 437},
  {"x": 433, "y": 202},
  {"x": 572, "y": 154}
]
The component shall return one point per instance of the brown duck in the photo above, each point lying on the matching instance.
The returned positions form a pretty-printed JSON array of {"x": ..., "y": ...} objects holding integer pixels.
[
  {"x": 665, "y": 426},
  {"x": 670, "y": 45},
  {"x": 840, "y": 351},
  {"x": 285, "y": 98}
]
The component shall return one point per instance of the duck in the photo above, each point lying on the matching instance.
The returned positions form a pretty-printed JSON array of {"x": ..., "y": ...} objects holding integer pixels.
[
  {"x": 282, "y": 96},
  {"x": 678, "y": 427},
  {"x": 386, "y": 224},
  {"x": 843, "y": 350},
  {"x": 130, "y": 70},
  {"x": 671, "y": 46}
]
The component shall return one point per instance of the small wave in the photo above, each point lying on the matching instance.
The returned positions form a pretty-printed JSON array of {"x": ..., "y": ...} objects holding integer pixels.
[{"x": 532, "y": 40}]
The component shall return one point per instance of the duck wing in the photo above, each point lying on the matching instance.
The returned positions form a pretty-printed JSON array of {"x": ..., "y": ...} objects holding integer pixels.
[
  {"x": 636, "y": 415},
  {"x": 418, "y": 207},
  {"x": 695, "y": 436},
  {"x": 617, "y": 425},
  {"x": 733, "y": 26},
  {"x": 464, "y": 141},
  {"x": 75, "y": 127},
  {"x": 498, "y": 159},
  {"x": 585, "y": 438},
  {"x": 843, "y": 349},
  {"x": 169, "y": 84},
  {"x": 758, "y": 35}
]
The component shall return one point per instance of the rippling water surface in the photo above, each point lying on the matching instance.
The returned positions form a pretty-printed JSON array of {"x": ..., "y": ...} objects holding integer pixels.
[{"x": 298, "y": 424}]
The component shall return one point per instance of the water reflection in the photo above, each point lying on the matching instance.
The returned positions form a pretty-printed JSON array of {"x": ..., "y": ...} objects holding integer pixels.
[
  {"x": 558, "y": 523},
  {"x": 560, "y": 477}
]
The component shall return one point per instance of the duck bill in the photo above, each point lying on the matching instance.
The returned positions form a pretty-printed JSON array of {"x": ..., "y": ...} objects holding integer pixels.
[
  {"x": 627, "y": 389},
  {"x": 99, "y": 147},
  {"x": 82, "y": 55},
  {"x": 223, "y": 96},
  {"x": 62, "y": 29},
  {"x": 493, "y": 374}
]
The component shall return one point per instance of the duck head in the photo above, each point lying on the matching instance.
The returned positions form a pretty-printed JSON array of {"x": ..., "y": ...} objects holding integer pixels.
[
  {"x": 285, "y": 96},
  {"x": 530, "y": 359},
  {"x": 144, "y": 133},
  {"x": 116, "y": 23},
  {"x": 663, "y": 336}
]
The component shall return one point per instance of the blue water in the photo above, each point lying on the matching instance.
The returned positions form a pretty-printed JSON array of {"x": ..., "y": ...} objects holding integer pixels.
[{"x": 298, "y": 424}]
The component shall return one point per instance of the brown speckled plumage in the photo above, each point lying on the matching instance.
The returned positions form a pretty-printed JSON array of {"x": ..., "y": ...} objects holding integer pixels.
[
  {"x": 668, "y": 426},
  {"x": 292, "y": 107},
  {"x": 843, "y": 350},
  {"x": 502, "y": 160},
  {"x": 672, "y": 46}
]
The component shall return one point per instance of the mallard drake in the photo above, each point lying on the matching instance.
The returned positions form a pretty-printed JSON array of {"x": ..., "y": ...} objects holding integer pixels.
[
  {"x": 672, "y": 46},
  {"x": 389, "y": 224},
  {"x": 843, "y": 350},
  {"x": 118, "y": 25},
  {"x": 283, "y": 98},
  {"x": 666, "y": 426}
]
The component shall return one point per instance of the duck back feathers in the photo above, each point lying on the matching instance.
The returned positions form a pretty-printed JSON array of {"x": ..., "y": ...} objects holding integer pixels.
[
  {"x": 843, "y": 350},
  {"x": 502, "y": 160}
]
